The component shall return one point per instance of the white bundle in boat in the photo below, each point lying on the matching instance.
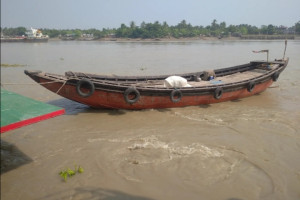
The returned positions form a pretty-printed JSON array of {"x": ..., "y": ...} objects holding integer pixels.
[{"x": 175, "y": 82}]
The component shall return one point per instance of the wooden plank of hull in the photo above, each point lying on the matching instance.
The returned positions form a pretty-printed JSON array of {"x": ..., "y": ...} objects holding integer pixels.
[{"x": 115, "y": 100}]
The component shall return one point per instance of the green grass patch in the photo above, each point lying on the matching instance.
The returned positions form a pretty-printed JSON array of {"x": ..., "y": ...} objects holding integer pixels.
[{"x": 68, "y": 173}]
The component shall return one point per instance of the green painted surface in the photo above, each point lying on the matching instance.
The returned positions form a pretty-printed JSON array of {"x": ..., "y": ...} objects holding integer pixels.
[{"x": 15, "y": 108}]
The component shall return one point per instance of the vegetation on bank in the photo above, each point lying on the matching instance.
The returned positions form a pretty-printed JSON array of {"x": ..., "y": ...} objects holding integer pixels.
[
  {"x": 11, "y": 65},
  {"x": 163, "y": 30}
]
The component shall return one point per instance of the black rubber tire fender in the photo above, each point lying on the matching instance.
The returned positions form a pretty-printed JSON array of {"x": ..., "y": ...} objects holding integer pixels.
[
  {"x": 87, "y": 84},
  {"x": 131, "y": 91},
  {"x": 275, "y": 76},
  {"x": 250, "y": 86},
  {"x": 218, "y": 93},
  {"x": 175, "y": 93}
]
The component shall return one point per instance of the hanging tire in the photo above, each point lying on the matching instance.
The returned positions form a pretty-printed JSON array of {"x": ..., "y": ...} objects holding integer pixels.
[
  {"x": 251, "y": 86},
  {"x": 218, "y": 93},
  {"x": 176, "y": 95},
  {"x": 275, "y": 76},
  {"x": 129, "y": 92},
  {"x": 85, "y": 83}
]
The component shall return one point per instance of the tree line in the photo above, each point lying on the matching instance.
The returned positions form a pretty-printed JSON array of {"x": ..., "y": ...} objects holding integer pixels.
[{"x": 163, "y": 30}]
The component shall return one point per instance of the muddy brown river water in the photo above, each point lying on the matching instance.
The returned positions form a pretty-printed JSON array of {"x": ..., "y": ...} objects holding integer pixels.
[{"x": 238, "y": 150}]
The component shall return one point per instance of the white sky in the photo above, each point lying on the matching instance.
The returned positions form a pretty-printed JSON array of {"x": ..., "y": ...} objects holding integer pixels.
[{"x": 84, "y": 14}]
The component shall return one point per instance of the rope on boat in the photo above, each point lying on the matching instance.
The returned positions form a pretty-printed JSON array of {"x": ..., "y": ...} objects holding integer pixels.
[
  {"x": 61, "y": 87},
  {"x": 2, "y": 84}
]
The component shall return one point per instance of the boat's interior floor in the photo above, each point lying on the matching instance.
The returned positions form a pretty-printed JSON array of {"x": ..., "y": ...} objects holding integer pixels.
[
  {"x": 228, "y": 79},
  {"x": 232, "y": 78}
]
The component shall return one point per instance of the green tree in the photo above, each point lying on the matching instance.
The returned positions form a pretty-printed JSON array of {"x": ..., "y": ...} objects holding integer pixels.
[
  {"x": 165, "y": 29},
  {"x": 253, "y": 30},
  {"x": 51, "y": 32},
  {"x": 271, "y": 29},
  {"x": 223, "y": 25},
  {"x": 214, "y": 25},
  {"x": 132, "y": 25},
  {"x": 19, "y": 31},
  {"x": 143, "y": 25},
  {"x": 123, "y": 31},
  {"x": 264, "y": 29}
]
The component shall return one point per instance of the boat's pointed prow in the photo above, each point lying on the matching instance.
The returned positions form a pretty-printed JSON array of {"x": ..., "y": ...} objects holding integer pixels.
[{"x": 32, "y": 72}]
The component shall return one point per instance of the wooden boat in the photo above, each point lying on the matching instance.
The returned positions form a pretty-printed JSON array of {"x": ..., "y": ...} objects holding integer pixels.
[{"x": 146, "y": 92}]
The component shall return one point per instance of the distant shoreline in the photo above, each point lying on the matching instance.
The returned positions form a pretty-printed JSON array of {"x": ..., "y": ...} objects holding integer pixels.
[
  {"x": 153, "y": 39},
  {"x": 172, "y": 39}
]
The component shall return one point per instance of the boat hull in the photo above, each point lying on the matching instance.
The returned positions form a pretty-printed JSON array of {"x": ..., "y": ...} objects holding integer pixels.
[
  {"x": 116, "y": 100},
  {"x": 149, "y": 92},
  {"x": 35, "y": 40}
]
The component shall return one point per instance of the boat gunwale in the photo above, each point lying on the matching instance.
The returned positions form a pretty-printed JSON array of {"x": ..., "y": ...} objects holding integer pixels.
[
  {"x": 115, "y": 78},
  {"x": 120, "y": 87}
]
